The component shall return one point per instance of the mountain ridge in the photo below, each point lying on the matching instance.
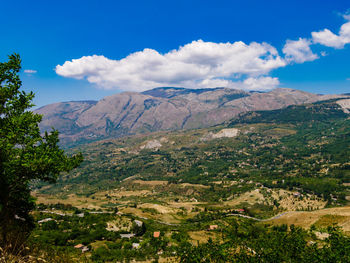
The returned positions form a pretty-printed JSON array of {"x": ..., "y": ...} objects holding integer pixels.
[{"x": 164, "y": 108}]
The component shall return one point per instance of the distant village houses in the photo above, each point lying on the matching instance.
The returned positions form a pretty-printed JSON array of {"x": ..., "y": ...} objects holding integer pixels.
[{"x": 213, "y": 227}]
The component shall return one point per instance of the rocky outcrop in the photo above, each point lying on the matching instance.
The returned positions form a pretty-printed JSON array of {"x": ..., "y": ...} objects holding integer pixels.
[
  {"x": 345, "y": 104},
  {"x": 226, "y": 133},
  {"x": 153, "y": 144}
]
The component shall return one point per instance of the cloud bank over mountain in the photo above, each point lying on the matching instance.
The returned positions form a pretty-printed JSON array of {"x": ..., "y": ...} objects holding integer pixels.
[
  {"x": 198, "y": 64},
  {"x": 201, "y": 64}
]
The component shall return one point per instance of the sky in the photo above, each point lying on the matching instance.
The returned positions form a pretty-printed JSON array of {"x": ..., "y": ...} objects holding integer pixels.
[{"x": 85, "y": 50}]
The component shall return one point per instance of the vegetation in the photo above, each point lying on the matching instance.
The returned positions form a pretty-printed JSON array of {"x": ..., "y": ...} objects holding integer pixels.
[
  {"x": 25, "y": 155},
  {"x": 254, "y": 243},
  {"x": 276, "y": 149},
  {"x": 186, "y": 196},
  {"x": 277, "y": 163},
  {"x": 234, "y": 240}
]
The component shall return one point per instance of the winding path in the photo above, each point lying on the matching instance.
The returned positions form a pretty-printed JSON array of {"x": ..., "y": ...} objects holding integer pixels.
[
  {"x": 227, "y": 215},
  {"x": 258, "y": 219},
  {"x": 173, "y": 224}
]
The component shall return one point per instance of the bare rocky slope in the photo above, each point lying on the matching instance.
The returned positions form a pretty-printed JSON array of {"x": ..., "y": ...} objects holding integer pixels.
[{"x": 162, "y": 109}]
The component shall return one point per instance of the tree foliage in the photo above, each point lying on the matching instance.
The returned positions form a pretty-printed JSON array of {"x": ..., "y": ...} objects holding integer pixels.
[
  {"x": 25, "y": 154},
  {"x": 265, "y": 244}
]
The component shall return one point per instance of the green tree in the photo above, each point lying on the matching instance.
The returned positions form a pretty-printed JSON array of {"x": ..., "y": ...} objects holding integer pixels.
[{"x": 25, "y": 155}]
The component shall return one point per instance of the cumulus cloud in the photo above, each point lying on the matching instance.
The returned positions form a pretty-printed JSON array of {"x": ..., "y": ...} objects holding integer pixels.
[
  {"x": 30, "y": 71},
  {"x": 328, "y": 38},
  {"x": 260, "y": 83},
  {"x": 201, "y": 64},
  {"x": 298, "y": 51},
  {"x": 197, "y": 64}
]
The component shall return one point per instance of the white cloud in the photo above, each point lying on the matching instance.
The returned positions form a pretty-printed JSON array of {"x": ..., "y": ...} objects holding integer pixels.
[
  {"x": 261, "y": 83},
  {"x": 30, "y": 71},
  {"x": 346, "y": 16},
  {"x": 328, "y": 38},
  {"x": 201, "y": 64},
  {"x": 252, "y": 83},
  {"x": 197, "y": 64},
  {"x": 298, "y": 51}
]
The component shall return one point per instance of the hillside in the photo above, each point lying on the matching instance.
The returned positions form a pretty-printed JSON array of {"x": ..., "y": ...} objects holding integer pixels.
[
  {"x": 253, "y": 180},
  {"x": 282, "y": 148},
  {"x": 161, "y": 109}
]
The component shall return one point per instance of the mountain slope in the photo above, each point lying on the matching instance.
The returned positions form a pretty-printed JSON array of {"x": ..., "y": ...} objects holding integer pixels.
[
  {"x": 309, "y": 153},
  {"x": 63, "y": 115},
  {"x": 130, "y": 113}
]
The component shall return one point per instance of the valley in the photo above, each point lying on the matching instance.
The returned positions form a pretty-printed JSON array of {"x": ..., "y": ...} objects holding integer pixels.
[
  {"x": 175, "y": 132},
  {"x": 286, "y": 167}
]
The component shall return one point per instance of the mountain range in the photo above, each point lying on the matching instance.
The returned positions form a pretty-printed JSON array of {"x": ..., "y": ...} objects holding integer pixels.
[{"x": 165, "y": 108}]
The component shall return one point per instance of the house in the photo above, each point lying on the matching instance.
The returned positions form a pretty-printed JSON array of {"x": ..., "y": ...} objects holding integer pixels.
[
  {"x": 130, "y": 235},
  {"x": 239, "y": 210},
  {"x": 19, "y": 218},
  {"x": 135, "y": 245},
  {"x": 84, "y": 249},
  {"x": 138, "y": 223},
  {"x": 156, "y": 234},
  {"x": 213, "y": 227},
  {"x": 297, "y": 194},
  {"x": 79, "y": 246},
  {"x": 45, "y": 220},
  {"x": 80, "y": 215},
  {"x": 193, "y": 200}
]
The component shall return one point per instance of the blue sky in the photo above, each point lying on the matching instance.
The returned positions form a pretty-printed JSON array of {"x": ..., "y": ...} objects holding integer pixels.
[{"x": 188, "y": 43}]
